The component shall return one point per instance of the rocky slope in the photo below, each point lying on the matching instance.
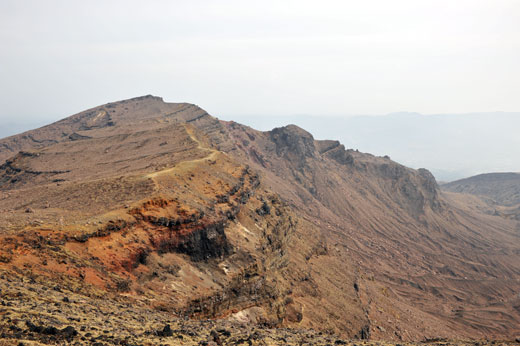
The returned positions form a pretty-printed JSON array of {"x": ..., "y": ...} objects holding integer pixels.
[
  {"x": 195, "y": 218},
  {"x": 425, "y": 265}
]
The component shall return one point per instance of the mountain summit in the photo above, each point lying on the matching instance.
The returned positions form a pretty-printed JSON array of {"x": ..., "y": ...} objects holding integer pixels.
[{"x": 189, "y": 217}]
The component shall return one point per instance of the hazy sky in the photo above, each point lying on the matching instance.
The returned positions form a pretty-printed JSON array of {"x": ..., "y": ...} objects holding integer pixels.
[{"x": 260, "y": 57}]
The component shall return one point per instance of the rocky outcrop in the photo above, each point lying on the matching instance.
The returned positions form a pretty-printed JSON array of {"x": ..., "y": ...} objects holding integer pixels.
[
  {"x": 340, "y": 155},
  {"x": 293, "y": 143}
]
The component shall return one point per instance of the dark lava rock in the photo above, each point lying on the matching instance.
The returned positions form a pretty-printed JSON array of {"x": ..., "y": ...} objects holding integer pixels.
[
  {"x": 214, "y": 335},
  {"x": 224, "y": 332},
  {"x": 50, "y": 331},
  {"x": 166, "y": 331},
  {"x": 69, "y": 332},
  {"x": 264, "y": 209},
  {"x": 364, "y": 333},
  {"x": 33, "y": 328}
]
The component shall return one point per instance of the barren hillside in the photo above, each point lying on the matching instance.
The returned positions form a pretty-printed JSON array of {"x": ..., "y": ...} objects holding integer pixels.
[{"x": 183, "y": 215}]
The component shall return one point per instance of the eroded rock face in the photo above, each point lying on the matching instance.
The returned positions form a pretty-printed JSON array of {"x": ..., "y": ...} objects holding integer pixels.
[
  {"x": 200, "y": 244},
  {"x": 248, "y": 289}
]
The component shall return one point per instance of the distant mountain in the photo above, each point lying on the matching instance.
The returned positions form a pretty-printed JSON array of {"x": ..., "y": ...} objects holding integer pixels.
[
  {"x": 451, "y": 146},
  {"x": 171, "y": 219},
  {"x": 500, "y": 190}
]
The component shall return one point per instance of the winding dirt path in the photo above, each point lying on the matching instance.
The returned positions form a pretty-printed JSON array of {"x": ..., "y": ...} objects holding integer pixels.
[{"x": 190, "y": 164}]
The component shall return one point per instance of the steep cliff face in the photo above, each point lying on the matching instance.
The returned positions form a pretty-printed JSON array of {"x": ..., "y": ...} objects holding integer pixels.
[{"x": 201, "y": 218}]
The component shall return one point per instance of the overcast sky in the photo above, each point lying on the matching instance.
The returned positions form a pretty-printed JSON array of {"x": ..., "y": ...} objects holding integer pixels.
[{"x": 260, "y": 57}]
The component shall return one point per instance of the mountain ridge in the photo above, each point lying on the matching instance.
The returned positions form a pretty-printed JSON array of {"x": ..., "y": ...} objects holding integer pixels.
[
  {"x": 269, "y": 227},
  {"x": 451, "y": 146}
]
